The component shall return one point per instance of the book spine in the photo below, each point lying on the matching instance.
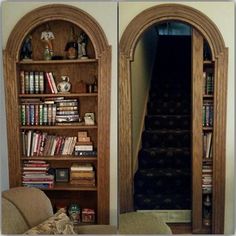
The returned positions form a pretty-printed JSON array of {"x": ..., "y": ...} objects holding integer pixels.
[
  {"x": 41, "y": 82},
  {"x": 32, "y": 114},
  {"x": 31, "y": 82},
  {"x": 53, "y": 82},
  {"x": 23, "y": 114},
  {"x": 27, "y": 82},
  {"x": 45, "y": 114},
  {"x": 49, "y": 82},
  {"x": 40, "y": 114},
  {"x": 36, "y": 82},
  {"x": 22, "y": 82}
]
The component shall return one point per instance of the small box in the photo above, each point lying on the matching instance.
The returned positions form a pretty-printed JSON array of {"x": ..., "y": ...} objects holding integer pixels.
[
  {"x": 88, "y": 215},
  {"x": 62, "y": 175},
  {"x": 82, "y": 134}
]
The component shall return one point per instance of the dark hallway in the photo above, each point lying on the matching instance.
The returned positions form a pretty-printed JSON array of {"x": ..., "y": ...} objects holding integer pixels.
[{"x": 163, "y": 178}]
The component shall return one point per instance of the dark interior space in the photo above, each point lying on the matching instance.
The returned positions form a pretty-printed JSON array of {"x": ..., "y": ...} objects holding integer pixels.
[{"x": 163, "y": 178}]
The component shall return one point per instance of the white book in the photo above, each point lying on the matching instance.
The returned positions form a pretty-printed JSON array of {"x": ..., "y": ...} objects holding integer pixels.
[
  {"x": 208, "y": 149},
  {"x": 29, "y": 139}
]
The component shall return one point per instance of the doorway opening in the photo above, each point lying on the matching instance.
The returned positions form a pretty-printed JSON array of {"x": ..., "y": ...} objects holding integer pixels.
[{"x": 161, "y": 89}]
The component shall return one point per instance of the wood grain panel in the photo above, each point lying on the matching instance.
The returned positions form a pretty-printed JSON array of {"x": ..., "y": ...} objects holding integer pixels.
[
  {"x": 197, "y": 149},
  {"x": 125, "y": 139}
]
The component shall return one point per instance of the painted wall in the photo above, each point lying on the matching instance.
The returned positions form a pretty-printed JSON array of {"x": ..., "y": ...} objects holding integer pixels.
[
  {"x": 141, "y": 72},
  {"x": 105, "y": 14},
  {"x": 222, "y": 14}
]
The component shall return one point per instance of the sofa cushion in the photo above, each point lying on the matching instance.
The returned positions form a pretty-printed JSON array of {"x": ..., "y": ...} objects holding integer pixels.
[
  {"x": 32, "y": 203},
  {"x": 12, "y": 220},
  {"x": 56, "y": 224},
  {"x": 142, "y": 223}
]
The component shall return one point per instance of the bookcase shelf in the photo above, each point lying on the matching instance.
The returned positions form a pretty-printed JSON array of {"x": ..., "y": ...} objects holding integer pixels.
[
  {"x": 58, "y": 127},
  {"x": 62, "y": 158},
  {"x": 67, "y": 95},
  {"x": 71, "y": 187},
  {"x": 35, "y": 62},
  {"x": 33, "y": 99}
]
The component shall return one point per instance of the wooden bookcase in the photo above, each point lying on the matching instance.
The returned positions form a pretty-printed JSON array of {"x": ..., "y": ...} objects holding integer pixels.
[
  {"x": 61, "y": 18},
  {"x": 208, "y": 166}
]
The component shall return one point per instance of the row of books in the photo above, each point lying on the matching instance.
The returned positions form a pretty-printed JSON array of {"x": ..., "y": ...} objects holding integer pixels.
[
  {"x": 207, "y": 144},
  {"x": 35, "y": 174},
  {"x": 208, "y": 83},
  {"x": 207, "y": 113},
  {"x": 82, "y": 174},
  {"x": 207, "y": 178},
  {"x": 48, "y": 112},
  {"x": 34, "y": 82},
  {"x": 37, "y": 143}
]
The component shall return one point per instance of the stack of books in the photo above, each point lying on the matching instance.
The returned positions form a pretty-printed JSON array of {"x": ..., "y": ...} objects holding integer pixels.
[
  {"x": 208, "y": 80},
  {"x": 82, "y": 174},
  {"x": 207, "y": 178},
  {"x": 208, "y": 113},
  {"x": 35, "y": 174},
  {"x": 84, "y": 146},
  {"x": 67, "y": 111}
]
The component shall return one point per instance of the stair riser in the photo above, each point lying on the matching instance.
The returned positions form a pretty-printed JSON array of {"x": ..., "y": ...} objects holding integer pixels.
[
  {"x": 162, "y": 140},
  {"x": 153, "y": 123}
]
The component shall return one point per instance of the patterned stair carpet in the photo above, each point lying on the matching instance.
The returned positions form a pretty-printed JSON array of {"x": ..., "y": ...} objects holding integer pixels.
[{"x": 163, "y": 178}]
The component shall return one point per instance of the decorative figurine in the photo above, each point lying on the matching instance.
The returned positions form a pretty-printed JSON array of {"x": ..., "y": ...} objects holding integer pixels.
[
  {"x": 89, "y": 118},
  {"x": 47, "y": 37},
  {"x": 82, "y": 46},
  {"x": 74, "y": 213},
  {"x": 26, "y": 50},
  {"x": 65, "y": 85},
  {"x": 72, "y": 46}
]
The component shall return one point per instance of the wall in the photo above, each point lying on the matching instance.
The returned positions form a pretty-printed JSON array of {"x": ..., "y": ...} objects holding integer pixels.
[
  {"x": 108, "y": 22},
  {"x": 141, "y": 72},
  {"x": 222, "y": 14}
]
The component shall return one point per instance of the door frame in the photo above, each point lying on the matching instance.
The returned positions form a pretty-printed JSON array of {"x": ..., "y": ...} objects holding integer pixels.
[{"x": 128, "y": 43}]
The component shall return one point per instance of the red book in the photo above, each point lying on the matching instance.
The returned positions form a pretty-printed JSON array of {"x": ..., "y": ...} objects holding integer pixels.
[{"x": 49, "y": 82}]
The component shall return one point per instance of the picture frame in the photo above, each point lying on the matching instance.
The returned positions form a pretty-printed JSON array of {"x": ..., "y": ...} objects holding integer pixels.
[{"x": 62, "y": 175}]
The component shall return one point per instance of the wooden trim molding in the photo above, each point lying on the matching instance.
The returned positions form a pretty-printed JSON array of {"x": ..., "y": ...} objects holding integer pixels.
[
  {"x": 102, "y": 52},
  {"x": 207, "y": 28}
]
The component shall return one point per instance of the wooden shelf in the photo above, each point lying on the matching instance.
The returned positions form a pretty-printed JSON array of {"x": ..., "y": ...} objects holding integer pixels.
[
  {"x": 207, "y": 160},
  {"x": 56, "y": 127},
  {"x": 208, "y": 96},
  {"x": 70, "y": 187},
  {"x": 208, "y": 62},
  {"x": 36, "y": 62},
  {"x": 61, "y": 158},
  {"x": 58, "y": 95},
  {"x": 207, "y": 128}
]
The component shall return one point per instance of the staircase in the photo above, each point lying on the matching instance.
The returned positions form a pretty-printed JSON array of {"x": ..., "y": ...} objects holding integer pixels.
[{"x": 163, "y": 178}]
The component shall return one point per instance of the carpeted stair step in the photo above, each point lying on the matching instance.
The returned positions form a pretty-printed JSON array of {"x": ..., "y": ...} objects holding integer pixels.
[
  {"x": 153, "y": 122},
  {"x": 168, "y": 180},
  {"x": 165, "y": 138},
  {"x": 168, "y": 107},
  {"x": 162, "y": 201},
  {"x": 164, "y": 158}
]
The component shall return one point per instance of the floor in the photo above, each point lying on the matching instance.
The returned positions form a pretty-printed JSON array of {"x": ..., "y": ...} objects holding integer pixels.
[{"x": 180, "y": 228}]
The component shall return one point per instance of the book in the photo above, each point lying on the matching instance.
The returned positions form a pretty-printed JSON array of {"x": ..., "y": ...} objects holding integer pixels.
[
  {"x": 22, "y": 82},
  {"x": 53, "y": 82},
  {"x": 49, "y": 82}
]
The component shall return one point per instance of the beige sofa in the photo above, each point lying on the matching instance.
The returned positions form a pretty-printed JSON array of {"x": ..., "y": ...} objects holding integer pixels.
[{"x": 25, "y": 210}]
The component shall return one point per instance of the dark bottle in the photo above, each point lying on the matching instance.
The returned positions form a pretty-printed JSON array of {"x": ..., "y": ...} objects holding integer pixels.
[{"x": 72, "y": 46}]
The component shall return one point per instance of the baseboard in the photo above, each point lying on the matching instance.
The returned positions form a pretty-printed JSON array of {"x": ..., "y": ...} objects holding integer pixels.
[{"x": 172, "y": 216}]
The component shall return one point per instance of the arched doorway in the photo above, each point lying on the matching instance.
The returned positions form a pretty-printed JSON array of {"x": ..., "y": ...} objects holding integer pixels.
[{"x": 209, "y": 31}]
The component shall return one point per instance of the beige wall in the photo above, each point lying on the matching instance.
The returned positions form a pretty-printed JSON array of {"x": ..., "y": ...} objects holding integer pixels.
[
  {"x": 106, "y": 15},
  {"x": 222, "y": 14},
  {"x": 141, "y": 72}
]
